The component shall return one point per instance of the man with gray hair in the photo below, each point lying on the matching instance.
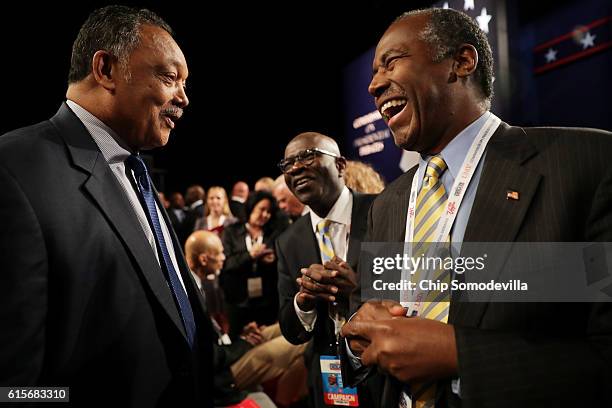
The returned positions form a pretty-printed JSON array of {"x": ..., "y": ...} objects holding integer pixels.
[
  {"x": 287, "y": 201},
  {"x": 479, "y": 180},
  {"x": 96, "y": 294}
]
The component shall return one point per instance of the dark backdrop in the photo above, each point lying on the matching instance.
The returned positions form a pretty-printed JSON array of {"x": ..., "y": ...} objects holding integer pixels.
[{"x": 270, "y": 72}]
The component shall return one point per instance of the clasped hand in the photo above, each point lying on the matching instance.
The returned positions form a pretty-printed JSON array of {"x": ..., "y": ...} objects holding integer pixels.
[
  {"x": 408, "y": 348},
  {"x": 333, "y": 281}
]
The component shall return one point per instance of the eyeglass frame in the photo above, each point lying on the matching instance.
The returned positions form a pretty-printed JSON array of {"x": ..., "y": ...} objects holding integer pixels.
[{"x": 295, "y": 159}]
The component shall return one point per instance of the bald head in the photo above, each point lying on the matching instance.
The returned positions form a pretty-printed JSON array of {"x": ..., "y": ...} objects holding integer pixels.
[
  {"x": 314, "y": 139},
  {"x": 204, "y": 252},
  {"x": 315, "y": 176},
  {"x": 240, "y": 189}
]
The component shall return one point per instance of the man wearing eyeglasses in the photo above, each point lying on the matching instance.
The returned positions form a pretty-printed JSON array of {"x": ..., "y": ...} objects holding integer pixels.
[{"x": 318, "y": 254}]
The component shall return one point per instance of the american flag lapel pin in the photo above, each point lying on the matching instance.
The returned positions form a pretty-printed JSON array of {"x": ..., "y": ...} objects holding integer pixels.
[{"x": 512, "y": 195}]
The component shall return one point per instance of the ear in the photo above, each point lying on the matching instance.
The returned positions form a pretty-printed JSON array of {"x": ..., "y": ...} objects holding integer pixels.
[
  {"x": 104, "y": 69},
  {"x": 203, "y": 259},
  {"x": 341, "y": 165},
  {"x": 465, "y": 61}
]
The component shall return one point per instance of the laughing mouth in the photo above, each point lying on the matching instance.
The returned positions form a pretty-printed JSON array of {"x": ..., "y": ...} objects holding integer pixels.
[{"x": 392, "y": 107}]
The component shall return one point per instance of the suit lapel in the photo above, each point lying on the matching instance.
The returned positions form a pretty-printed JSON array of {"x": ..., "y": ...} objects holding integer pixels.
[
  {"x": 494, "y": 217},
  {"x": 309, "y": 252},
  {"x": 359, "y": 225},
  {"x": 399, "y": 208},
  {"x": 112, "y": 202}
]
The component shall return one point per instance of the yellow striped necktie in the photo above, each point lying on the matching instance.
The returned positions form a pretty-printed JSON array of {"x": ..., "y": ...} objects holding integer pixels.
[
  {"x": 324, "y": 238},
  {"x": 431, "y": 203}
]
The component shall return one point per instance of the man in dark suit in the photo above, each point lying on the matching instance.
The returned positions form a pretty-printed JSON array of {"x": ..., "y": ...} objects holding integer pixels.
[
  {"x": 314, "y": 169},
  {"x": 432, "y": 84},
  {"x": 95, "y": 291},
  {"x": 240, "y": 193}
]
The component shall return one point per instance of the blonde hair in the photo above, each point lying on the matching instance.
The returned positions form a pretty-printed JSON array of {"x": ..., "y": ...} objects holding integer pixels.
[
  {"x": 265, "y": 183},
  {"x": 226, "y": 209},
  {"x": 362, "y": 178}
]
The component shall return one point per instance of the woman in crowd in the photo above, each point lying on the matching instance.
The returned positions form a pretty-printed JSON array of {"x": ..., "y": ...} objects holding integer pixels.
[
  {"x": 249, "y": 276},
  {"x": 217, "y": 214},
  {"x": 362, "y": 178}
]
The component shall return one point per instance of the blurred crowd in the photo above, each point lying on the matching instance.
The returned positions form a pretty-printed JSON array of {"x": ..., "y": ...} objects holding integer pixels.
[{"x": 229, "y": 243}]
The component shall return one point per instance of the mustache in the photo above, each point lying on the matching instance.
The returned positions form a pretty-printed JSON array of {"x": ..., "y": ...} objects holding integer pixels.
[
  {"x": 173, "y": 111},
  {"x": 393, "y": 90}
]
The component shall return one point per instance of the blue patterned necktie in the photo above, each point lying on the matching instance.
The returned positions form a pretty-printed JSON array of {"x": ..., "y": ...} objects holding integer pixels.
[{"x": 135, "y": 163}]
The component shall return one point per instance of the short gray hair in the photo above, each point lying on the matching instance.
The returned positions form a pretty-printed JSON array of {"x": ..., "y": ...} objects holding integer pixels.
[
  {"x": 115, "y": 29},
  {"x": 446, "y": 30}
]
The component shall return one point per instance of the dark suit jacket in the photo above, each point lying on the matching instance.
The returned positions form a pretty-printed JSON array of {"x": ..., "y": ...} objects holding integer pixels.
[
  {"x": 84, "y": 301},
  {"x": 183, "y": 228},
  {"x": 297, "y": 248},
  {"x": 238, "y": 210},
  {"x": 238, "y": 268},
  {"x": 226, "y": 392},
  {"x": 526, "y": 354}
]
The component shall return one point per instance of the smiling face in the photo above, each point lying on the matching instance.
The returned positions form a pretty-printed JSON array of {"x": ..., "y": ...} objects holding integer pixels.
[
  {"x": 262, "y": 211},
  {"x": 216, "y": 200},
  {"x": 149, "y": 98},
  {"x": 318, "y": 185},
  {"x": 413, "y": 93}
]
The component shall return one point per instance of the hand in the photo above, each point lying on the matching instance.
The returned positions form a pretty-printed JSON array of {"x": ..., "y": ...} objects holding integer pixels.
[
  {"x": 345, "y": 279},
  {"x": 373, "y": 310},
  {"x": 269, "y": 257},
  {"x": 334, "y": 281},
  {"x": 251, "y": 333},
  {"x": 312, "y": 286},
  {"x": 408, "y": 348},
  {"x": 258, "y": 250}
]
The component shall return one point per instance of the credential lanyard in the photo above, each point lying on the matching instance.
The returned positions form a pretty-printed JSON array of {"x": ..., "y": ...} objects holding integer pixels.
[{"x": 412, "y": 299}]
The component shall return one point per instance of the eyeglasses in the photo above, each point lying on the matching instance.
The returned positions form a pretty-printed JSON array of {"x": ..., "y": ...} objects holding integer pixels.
[{"x": 305, "y": 158}]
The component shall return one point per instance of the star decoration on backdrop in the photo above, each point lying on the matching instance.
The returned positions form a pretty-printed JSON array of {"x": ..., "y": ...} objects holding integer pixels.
[
  {"x": 468, "y": 5},
  {"x": 551, "y": 55},
  {"x": 588, "y": 40},
  {"x": 483, "y": 20}
]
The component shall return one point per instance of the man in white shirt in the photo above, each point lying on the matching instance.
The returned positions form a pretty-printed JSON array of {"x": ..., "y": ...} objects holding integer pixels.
[{"x": 313, "y": 169}]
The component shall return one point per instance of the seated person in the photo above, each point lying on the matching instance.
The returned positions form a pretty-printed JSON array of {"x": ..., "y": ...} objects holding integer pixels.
[{"x": 259, "y": 354}]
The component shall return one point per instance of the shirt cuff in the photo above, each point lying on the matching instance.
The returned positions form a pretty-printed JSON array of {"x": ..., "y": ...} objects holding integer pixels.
[
  {"x": 456, "y": 386},
  {"x": 307, "y": 319},
  {"x": 353, "y": 359}
]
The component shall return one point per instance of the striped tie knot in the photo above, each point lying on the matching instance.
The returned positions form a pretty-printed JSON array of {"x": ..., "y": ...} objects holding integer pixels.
[
  {"x": 435, "y": 167},
  {"x": 323, "y": 226}
]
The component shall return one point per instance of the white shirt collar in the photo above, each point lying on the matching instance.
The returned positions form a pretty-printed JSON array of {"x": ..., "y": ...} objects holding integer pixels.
[
  {"x": 455, "y": 152},
  {"x": 196, "y": 203},
  {"x": 340, "y": 213},
  {"x": 197, "y": 280}
]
